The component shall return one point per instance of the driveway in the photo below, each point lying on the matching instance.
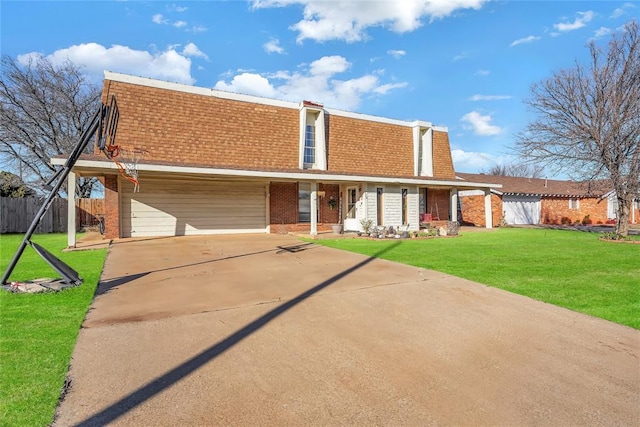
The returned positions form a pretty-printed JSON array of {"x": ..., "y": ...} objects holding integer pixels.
[{"x": 268, "y": 330}]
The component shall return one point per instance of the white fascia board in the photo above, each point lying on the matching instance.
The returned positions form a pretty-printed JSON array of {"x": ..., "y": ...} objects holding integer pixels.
[
  {"x": 441, "y": 129},
  {"x": 180, "y": 87},
  {"x": 287, "y": 176},
  {"x": 420, "y": 123}
]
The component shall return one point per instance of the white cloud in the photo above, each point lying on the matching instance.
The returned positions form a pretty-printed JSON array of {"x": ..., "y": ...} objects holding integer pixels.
[
  {"x": 528, "y": 39},
  {"x": 329, "y": 65},
  {"x": 198, "y": 29},
  {"x": 397, "y": 54},
  {"x": 458, "y": 57},
  {"x": 601, "y": 32},
  {"x": 273, "y": 46},
  {"x": 176, "y": 8},
  {"x": 479, "y": 97},
  {"x": 480, "y": 124},
  {"x": 482, "y": 72},
  {"x": 159, "y": 19},
  {"x": 95, "y": 58},
  {"x": 191, "y": 49},
  {"x": 315, "y": 82},
  {"x": 583, "y": 19},
  {"x": 180, "y": 24},
  {"x": 348, "y": 20},
  {"x": 622, "y": 10},
  {"x": 473, "y": 162}
]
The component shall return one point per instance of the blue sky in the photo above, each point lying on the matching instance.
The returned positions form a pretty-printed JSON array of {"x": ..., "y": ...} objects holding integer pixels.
[{"x": 464, "y": 64}]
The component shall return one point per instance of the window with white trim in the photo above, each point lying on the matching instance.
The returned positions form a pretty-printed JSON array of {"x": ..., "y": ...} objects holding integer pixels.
[
  {"x": 574, "y": 204},
  {"x": 313, "y": 150}
]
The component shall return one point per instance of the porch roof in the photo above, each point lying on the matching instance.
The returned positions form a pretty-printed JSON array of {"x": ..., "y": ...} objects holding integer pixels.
[{"x": 95, "y": 165}]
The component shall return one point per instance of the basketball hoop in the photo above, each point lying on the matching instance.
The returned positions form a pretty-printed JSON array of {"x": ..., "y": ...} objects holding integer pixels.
[{"x": 128, "y": 163}]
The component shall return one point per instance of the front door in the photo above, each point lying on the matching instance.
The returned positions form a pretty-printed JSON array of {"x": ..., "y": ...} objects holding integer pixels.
[{"x": 351, "y": 222}]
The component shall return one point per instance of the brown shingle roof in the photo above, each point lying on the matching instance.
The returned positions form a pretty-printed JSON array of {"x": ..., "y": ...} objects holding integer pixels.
[{"x": 541, "y": 187}]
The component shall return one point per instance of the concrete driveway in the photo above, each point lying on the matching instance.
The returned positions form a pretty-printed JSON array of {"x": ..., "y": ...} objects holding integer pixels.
[{"x": 268, "y": 330}]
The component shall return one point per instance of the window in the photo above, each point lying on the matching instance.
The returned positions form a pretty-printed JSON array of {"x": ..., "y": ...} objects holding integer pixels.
[
  {"x": 379, "y": 193},
  {"x": 405, "y": 217},
  {"x": 304, "y": 202},
  {"x": 313, "y": 150},
  {"x": 352, "y": 198},
  {"x": 574, "y": 204},
  {"x": 309, "y": 146}
]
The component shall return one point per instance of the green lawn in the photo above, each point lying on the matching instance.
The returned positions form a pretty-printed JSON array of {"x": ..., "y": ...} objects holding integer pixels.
[
  {"x": 38, "y": 331},
  {"x": 566, "y": 268}
]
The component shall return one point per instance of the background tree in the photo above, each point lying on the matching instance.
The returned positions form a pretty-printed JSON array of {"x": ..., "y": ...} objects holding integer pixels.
[
  {"x": 524, "y": 170},
  {"x": 12, "y": 186},
  {"x": 588, "y": 120},
  {"x": 43, "y": 110}
]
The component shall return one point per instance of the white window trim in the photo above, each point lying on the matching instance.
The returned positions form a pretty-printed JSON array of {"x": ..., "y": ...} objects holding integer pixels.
[
  {"x": 320, "y": 142},
  {"x": 576, "y": 202},
  {"x": 422, "y": 143}
]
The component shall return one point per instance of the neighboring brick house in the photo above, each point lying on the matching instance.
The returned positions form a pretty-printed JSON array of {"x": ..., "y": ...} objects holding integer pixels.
[
  {"x": 540, "y": 201},
  {"x": 219, "y": 162}
]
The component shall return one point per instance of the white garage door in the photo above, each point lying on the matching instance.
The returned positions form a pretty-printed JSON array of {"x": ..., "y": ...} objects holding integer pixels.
[
  {"x": 521, "y": 209},
  {"x": 178, "y": 208}
]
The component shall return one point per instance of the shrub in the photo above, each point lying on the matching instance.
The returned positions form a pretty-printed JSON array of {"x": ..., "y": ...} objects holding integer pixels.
[
  {"x": 586, "y": 220},
  {"x": 565, "y": 220}
]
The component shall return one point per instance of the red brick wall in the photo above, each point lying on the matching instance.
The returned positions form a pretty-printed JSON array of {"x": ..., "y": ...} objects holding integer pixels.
[
  {"x": 111, "y": 207},
  {"x": 553, "y": 210},
  {"x": 328, "y": 215},
  {"x": 438, "y": 203},
  {"x": 473, "y": 210},
  {"x": 283, "y": 208},
  {"x": 442, "y": 161}
]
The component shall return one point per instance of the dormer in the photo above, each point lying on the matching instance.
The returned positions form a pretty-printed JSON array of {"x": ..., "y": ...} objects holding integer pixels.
[
  {"x": 313, "y": 145},
  {"x": 422, "y": 148}
]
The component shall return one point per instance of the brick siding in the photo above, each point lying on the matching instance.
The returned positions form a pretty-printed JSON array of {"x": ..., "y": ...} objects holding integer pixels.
[
  {"x": 111, "y": 207},
  {"x": 554, "y": 210},
  {"x": 283, "y": 208},
  {"x": 438, "y": 203},
  {"x": 473, "y": 210}
]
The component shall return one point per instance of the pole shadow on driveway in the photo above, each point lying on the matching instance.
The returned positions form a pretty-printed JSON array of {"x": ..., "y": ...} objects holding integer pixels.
[
  {"x": 129, "y": 402},
  {"x": 106, "y": 285}
]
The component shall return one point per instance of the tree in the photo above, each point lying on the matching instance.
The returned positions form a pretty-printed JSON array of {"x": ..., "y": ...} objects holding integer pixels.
[
  {"x": 12, "y": 186},
  {"x": 588, "y": 120},
  {"x": 43, "y": 110},
  {"x": 524, "y": 170}
]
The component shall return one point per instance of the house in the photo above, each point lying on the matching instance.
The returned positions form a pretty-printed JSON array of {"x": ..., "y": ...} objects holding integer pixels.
[
  {"x": 541, "y": 201},
  {"x": 218, "y": 162}
]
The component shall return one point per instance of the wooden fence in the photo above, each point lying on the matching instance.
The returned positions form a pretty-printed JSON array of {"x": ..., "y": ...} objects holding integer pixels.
[{"x": 16, "y": 214}]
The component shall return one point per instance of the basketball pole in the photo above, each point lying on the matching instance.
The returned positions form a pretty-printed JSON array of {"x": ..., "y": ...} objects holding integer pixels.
[{"x": 59, "y": 178}]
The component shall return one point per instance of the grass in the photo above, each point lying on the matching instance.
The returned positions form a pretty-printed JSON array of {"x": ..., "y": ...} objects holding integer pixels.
[
  {"x": 566, "y": 268},
  {"x": 38, "y": 331}
]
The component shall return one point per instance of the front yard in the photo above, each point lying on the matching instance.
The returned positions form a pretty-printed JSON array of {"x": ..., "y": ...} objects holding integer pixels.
[
  {"x": 38, "y": 331},
  {"x": 566, "y": 268}
]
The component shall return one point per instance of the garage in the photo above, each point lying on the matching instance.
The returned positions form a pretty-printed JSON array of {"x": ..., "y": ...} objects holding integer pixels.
[
  {"x": 192, "y": 207},
  {"x": 521, "y": 209}
]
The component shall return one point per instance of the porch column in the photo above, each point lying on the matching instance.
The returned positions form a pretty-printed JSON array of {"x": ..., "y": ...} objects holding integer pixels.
[
  {"x": 71, "y": 210},
  {"x": 454, "y": 204},
  {"x": 488, "y": 216},
  {"x": 314, "y": 208}
]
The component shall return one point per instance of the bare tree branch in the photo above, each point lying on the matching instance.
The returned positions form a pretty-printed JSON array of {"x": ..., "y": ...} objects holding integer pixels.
[
  {"x": 43, "y": 111},
  {"x": 587, "y": 120}
]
